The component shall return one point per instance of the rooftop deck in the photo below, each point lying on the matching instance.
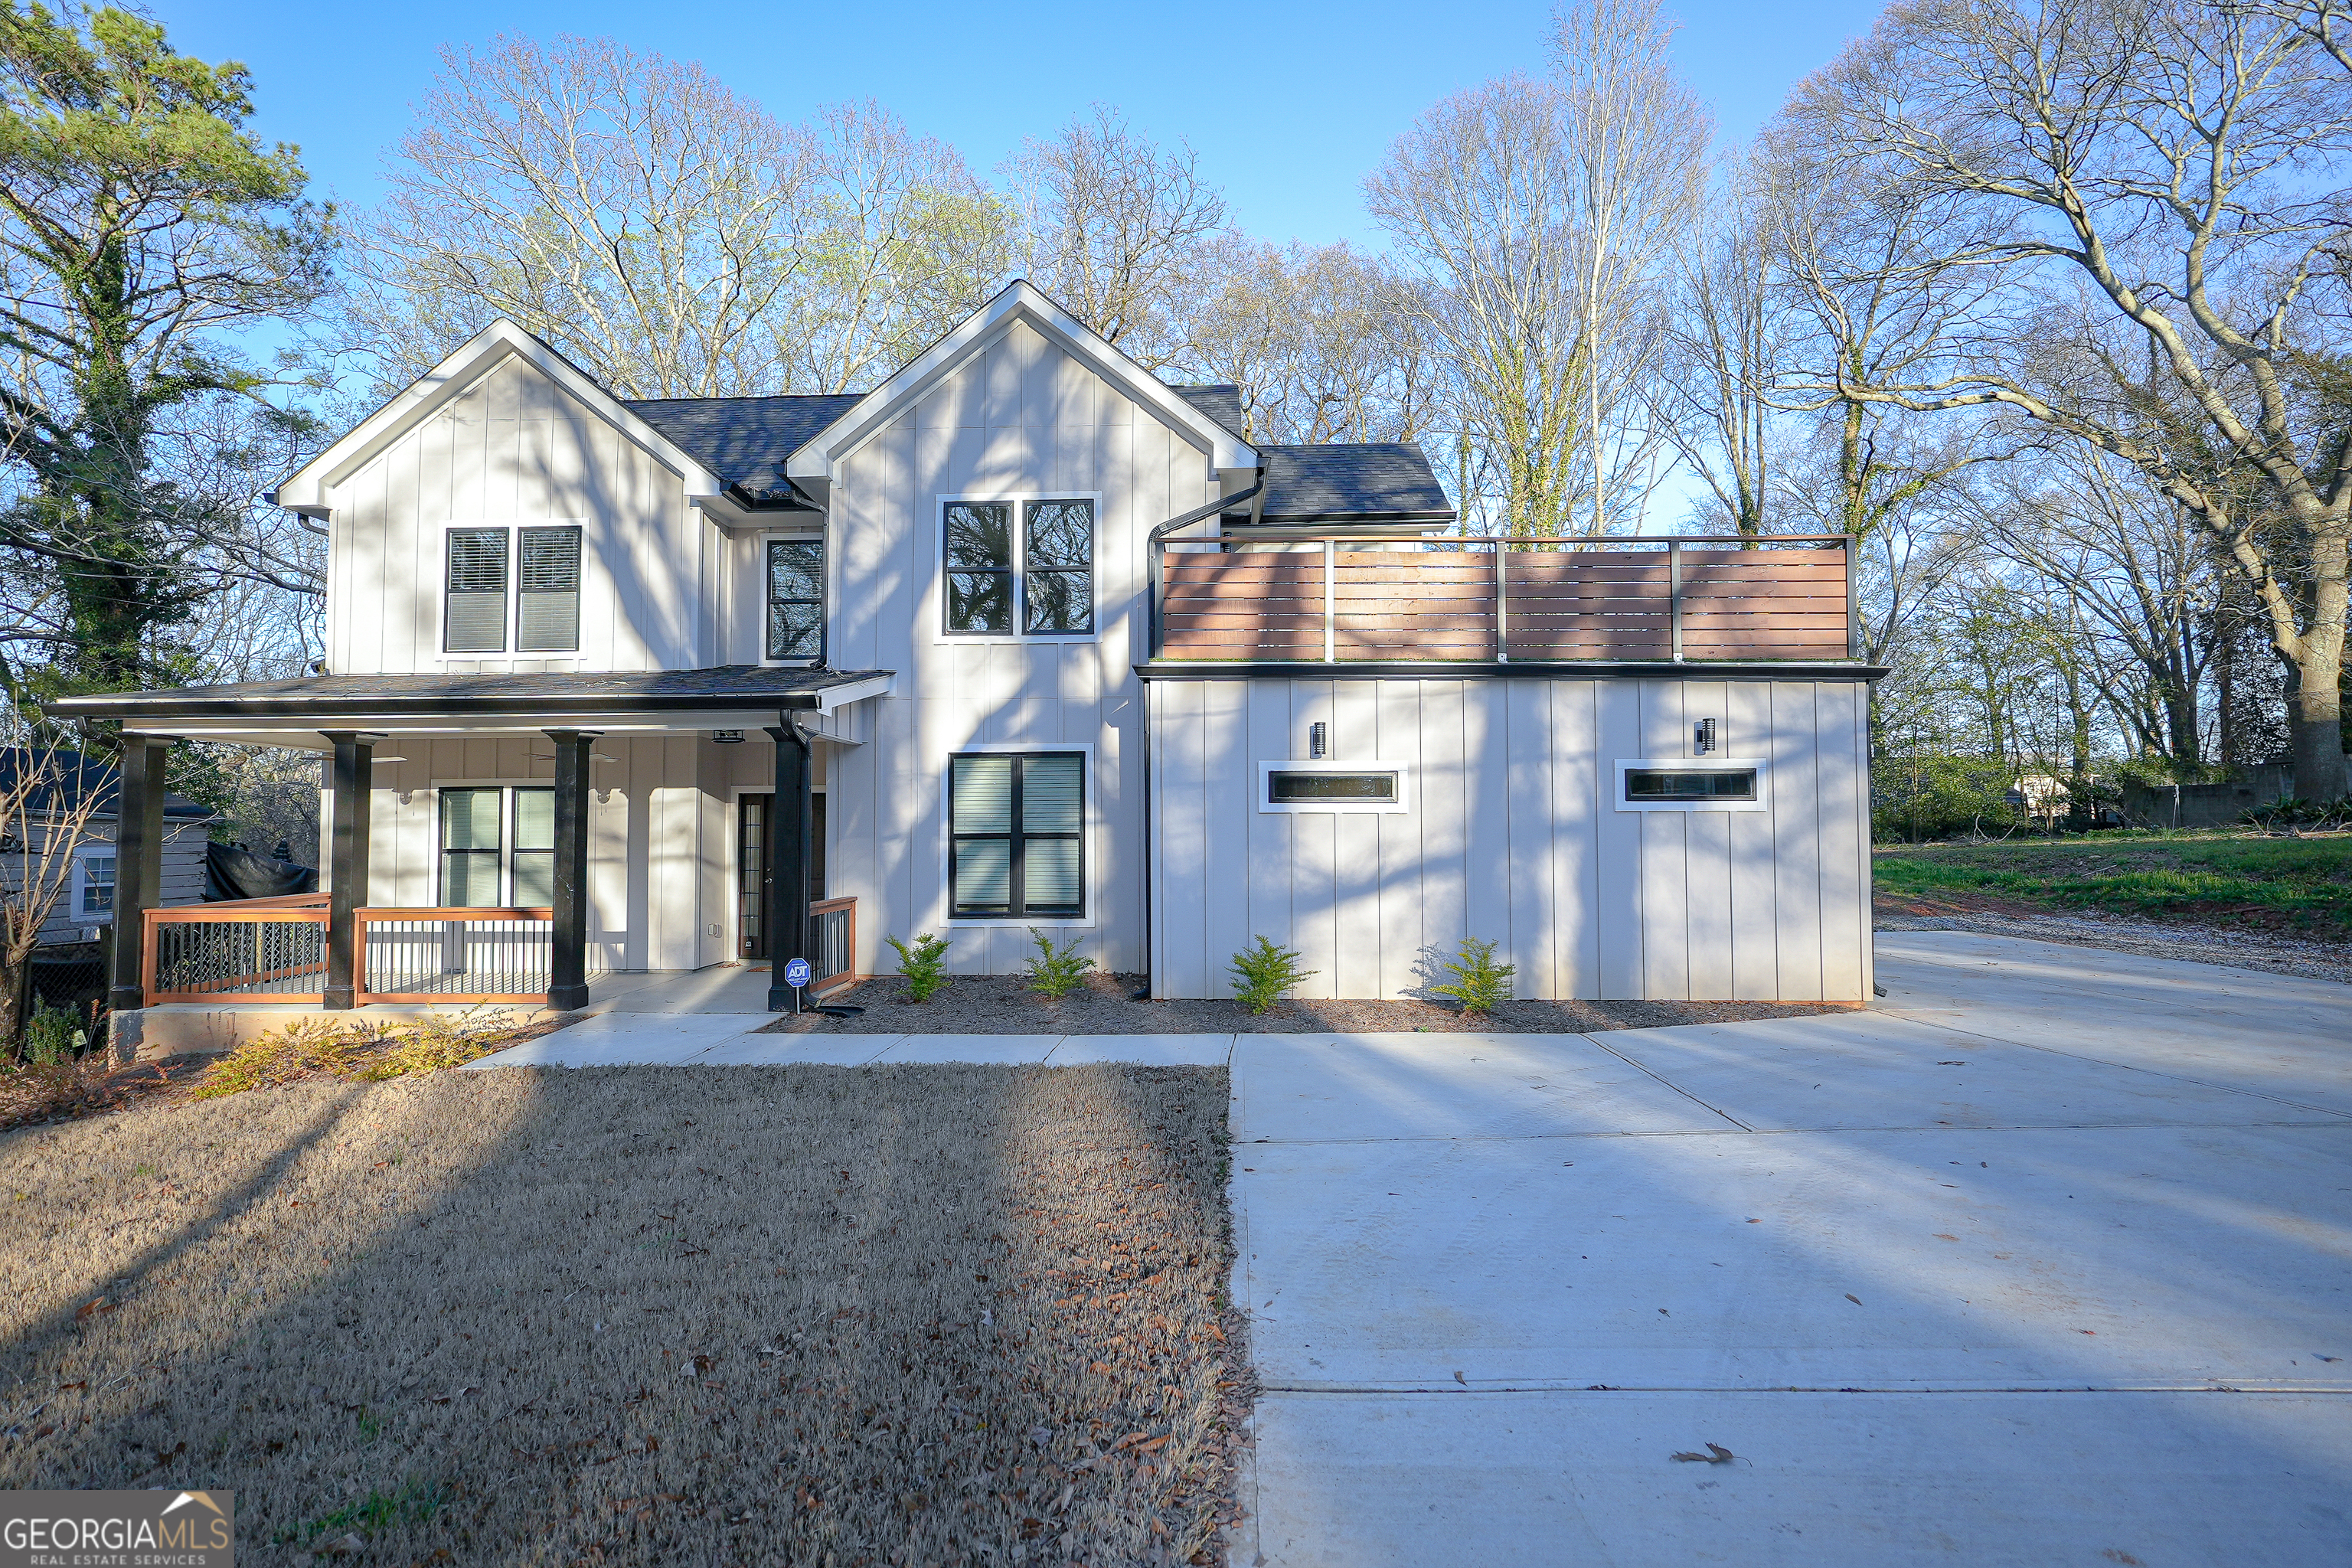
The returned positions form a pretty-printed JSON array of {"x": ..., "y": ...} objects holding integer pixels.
[{"x": 1291, "y": 595}]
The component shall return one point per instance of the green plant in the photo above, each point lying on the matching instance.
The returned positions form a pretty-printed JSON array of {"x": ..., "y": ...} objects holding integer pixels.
[
  {"x": 1055, "y": 972},
  {"x": 1262, "y": 973},
  {"x": 432, "y": 1044},
  {"x": 51, "y": 1037},
  {"x": 1478, "y": 981},
  {"x": 924, "y": 962}
]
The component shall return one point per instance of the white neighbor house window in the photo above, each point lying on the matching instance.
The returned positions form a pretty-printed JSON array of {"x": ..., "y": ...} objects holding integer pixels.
[
  {"x": 1018, "y": 567},
  {"x": 93, "y": 885},
  {"x": 497, "y": 848},
  {"x": 523, "y": 581}
]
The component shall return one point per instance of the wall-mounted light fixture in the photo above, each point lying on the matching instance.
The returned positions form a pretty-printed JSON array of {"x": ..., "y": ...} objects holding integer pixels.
[
  {"x": 726, "y": 737},
  {"x": 1318, "y": 741},
  {"x": 1702, "y": 737}
]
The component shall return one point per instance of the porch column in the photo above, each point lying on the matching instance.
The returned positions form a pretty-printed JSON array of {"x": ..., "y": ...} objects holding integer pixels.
[
  {"x": 567, "y": 967},
  {"x": 789, "y": 828},
  {"x": 351, "y": 784},
  {"x": 138, "y": 862}
]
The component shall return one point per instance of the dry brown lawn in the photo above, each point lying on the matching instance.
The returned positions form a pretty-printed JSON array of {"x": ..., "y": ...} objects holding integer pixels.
[{"x": 801, "y": 1315}]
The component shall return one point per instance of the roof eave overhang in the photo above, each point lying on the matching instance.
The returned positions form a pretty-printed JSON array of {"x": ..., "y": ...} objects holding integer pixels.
[
  {"x": 820, "y": 458},
  {"x": 311, "y": 489},
  {"x": 1524, "y": 670},
  {"x": 164, "y": 713}
]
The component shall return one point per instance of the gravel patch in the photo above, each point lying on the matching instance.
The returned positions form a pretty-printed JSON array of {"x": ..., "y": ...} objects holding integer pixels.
[
  {"x": 807, "y": 1315},
  {"x": 2150, "y": 938},
  {"x": 1105, "y": 1005}
]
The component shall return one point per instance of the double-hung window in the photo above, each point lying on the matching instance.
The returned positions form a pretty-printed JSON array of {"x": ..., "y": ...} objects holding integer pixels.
[
  {"x": 797, "y": 598},
  {"x": 1017, "y": 834},
  {"x": 497, "y": 848},
  {"x": 523, "y": 581},
  {"x": 1018, "y": 568}
]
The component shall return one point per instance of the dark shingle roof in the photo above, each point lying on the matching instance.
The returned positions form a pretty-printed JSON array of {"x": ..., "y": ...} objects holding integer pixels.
[
  {"x": 73, "y": 777},
  {"x": 1221, "y": 403},
  {"x": 743, "y": 439},
  {"x": 1366, "y": 481}
]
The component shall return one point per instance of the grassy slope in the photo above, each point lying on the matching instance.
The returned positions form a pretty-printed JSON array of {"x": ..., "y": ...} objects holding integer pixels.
[{"x": 2300, "y": 885}]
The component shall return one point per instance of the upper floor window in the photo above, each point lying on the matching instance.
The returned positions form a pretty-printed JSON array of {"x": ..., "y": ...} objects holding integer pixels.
[
  {"x": 1020, "y": 568},
  {"x": 484, "y": 598},
  {"x": 797, "y": 598}
]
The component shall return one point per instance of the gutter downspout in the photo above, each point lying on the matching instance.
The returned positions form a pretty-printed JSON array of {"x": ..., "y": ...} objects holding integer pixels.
[{"x": 1257, "y": 495}]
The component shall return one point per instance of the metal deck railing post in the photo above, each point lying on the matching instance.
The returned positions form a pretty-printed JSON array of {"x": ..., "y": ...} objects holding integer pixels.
[
  {"x": 1674, "y": 597},
  {"x": 1502, "y": 607},
  {"x": 1331, "y": 608},
  {"x": 1853, "y": 597}
]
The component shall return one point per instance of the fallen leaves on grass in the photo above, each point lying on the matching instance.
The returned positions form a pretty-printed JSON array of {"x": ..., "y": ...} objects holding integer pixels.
[{"x": 1716, "y": 1454}]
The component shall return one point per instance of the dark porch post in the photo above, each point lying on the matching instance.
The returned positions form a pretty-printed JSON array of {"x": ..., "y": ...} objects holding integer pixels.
[
  {"x": 350, "y": 782},
  {"x": 138, "y": 862},
  {"x": 567, "y": 967},
  {"x": 789, "y": 829}
]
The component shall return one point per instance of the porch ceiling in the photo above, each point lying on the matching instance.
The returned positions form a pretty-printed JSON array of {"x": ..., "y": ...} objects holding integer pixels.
[{"x": 293, "y": 713}]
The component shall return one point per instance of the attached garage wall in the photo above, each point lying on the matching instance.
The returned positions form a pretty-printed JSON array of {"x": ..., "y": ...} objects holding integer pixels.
[{"x": 1512, "y": 834}]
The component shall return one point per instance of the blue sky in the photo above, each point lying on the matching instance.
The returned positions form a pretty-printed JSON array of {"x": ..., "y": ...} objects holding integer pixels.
[{"x": 1290, "y": 105}]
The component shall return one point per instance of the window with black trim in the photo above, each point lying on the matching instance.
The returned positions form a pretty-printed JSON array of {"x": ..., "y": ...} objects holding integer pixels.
[
  {"x": 1690, "y": 784},
  {"x": 1036, "y": 579},
  {"x": 547, "y": 602},
  {"x": 481, "y": 570},
  {"x": 474, "y": 612},
  {"x": 1017, "y": 834},
  {"x": 497, "y": 848},
  {"x": 797, "y": 598}
]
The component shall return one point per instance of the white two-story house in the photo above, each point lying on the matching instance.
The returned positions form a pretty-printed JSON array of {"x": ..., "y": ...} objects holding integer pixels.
[{"x": 1023, "y": 639}]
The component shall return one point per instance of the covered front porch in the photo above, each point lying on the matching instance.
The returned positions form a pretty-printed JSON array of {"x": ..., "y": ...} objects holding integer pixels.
[{"x": 530, "y": 839}]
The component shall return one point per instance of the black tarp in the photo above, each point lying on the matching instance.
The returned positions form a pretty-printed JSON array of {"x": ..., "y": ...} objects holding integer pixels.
[{"x": 232, "y": 871}]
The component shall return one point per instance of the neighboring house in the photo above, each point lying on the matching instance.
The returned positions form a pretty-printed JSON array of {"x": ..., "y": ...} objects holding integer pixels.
[
  {"x": 1024, "y": 639},
  {"x": 86, "y": 902}
]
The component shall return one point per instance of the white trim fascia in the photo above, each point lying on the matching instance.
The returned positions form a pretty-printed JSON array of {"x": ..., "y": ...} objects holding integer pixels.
[
  {"x": 311, "y": 488},
  {"x": 1092, "y": 828},
  {"x": 1403, "y": 802},
  {"x": 821, "y": 457},
  {"x": 1763, "y": 801}
]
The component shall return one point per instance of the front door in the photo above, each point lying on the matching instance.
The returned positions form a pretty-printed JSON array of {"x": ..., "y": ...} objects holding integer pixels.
[{"x": 755, "y": 886}]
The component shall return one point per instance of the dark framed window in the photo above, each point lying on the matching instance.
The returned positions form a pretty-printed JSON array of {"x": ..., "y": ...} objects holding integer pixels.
[
  {"x": 497, "y": 848},
  {"x": 1017, "y": 834},
  {"x": 1690, "y": 784},
  {"x": 797, "y": 598},
  {"x": 474, "y": 612},
  {"x": 1282, "y": 788},
  {"x": 980, "y": 568},
  {"x": 1057, "y": 566},
  {"x": 546, "y": 613}
]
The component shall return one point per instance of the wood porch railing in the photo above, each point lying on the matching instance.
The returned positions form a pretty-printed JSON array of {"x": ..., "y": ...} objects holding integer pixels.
[
  {"x": 1300, "y": 596},
  {"x": 833, "y": 945},
  {"x": 275, "y": 950}
]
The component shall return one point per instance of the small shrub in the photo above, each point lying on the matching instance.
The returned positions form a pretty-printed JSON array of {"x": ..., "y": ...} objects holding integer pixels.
[
  {"x": 367, "y": 1053},
  {"x": 432, "y": 1043},
  {"x": 2292, "y": 814},
  {"x": 1479, "y": 982},
  {"x": 924, "y": 962},
  {"x": 1055, "y": 972},
  {"x": 281, "y": 1055},
  {"x": 53, "y": 1035},
  {"x": 1262, "y": 973}
]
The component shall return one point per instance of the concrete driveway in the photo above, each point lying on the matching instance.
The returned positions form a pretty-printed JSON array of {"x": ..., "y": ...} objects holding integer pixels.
[{"x": 2045, "y": 1259}]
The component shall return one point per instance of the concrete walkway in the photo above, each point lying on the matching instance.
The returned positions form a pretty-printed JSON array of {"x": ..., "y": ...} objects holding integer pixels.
[{"x": 2047, "y": 1259}]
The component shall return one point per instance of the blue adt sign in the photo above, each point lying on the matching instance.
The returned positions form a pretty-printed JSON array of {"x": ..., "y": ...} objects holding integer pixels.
[{"x": 796, "y": 973}]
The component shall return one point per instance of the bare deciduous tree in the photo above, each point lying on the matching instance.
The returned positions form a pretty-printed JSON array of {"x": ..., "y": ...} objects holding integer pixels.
[
  {"x": 670, "y": 235},
  {"x": 2169, "y": 164},
  {"x": 1725, "y": 345},
  {"x": 47, "y": 800},
  {"x": 1111, "y": 224}
]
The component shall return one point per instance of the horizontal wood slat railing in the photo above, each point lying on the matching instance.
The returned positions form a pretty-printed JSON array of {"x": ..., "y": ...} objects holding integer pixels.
[
  {"x": 833, "y": 945},
  {"x": 275, "y": 950},
  {"x": 1335, "y": 597}
]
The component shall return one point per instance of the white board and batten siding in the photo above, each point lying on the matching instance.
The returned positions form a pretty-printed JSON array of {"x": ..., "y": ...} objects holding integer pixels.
[
  {"x": 515, "y": 448},
  {"x": 1020, "y": 417},
  {"x": 1512, "y": 833}
]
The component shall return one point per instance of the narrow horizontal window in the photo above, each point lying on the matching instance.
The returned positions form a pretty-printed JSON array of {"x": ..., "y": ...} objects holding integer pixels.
[
  {"x": 1375, "y": 787},
  {"x": 1690, "y": 784}
]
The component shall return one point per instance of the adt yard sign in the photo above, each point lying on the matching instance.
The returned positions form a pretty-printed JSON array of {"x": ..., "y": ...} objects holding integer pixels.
[{"x": 796, "y": 973}]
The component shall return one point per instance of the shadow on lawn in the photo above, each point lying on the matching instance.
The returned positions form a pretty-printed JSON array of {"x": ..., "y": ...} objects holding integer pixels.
[{"x": 809, "y": 1315}]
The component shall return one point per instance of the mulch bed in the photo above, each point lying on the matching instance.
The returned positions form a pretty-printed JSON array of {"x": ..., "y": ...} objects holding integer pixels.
[
  {"x": 1105, "y": 1005},
  {"x": 921, "y": 1314}
]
